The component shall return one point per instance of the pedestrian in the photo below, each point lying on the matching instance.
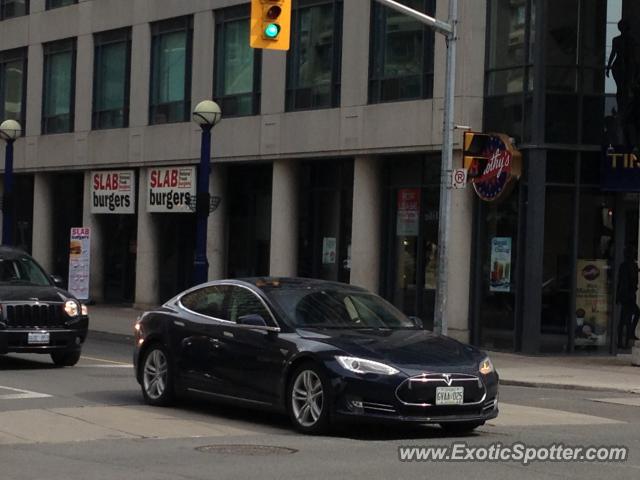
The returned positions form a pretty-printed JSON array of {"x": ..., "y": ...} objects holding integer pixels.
[{"x": 626, "y": 298}]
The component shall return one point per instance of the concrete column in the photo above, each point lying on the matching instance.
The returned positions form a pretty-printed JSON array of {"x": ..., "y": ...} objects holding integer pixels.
[
  {"x": 42, "y": 241},
  {"x": 96, "y": 273},
  {"x": 140, "y": 74},
  {"x": 217, "y": 226},
  {"x": 284, "y": 219},
  {"x": 274, "y": 72},
  {"x": 203, "y": 38},
  {"x": 459, "y": 279},
  {"x": 355, "y": 53},
  {"x": 147, "y": 261},
  {"x": 84, "y": 83},
  {"x": 366, "y": 223},
  {"x": 34, "y": 90}
]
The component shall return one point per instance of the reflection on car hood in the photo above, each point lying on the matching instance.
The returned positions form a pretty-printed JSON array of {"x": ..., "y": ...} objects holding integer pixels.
[
  {"x": 406, "y": 349},
  {"x": 25, "y": 293}
]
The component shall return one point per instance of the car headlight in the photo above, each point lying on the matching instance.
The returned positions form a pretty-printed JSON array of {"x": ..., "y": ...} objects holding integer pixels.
[
  {"x": 84, "y": 309},
  {"x": 71, "y": 308},
  {"x": 361, "y": 365},
  {"x": 486, "y": 367}
]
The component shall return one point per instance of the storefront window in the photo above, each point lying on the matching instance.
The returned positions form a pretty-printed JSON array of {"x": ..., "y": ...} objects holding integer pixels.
[{"x": 326, "y": 203}]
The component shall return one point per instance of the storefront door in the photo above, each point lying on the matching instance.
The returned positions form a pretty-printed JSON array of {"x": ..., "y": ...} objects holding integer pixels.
[
  {"x": 119, "y": 240},
  {"x": 176, "y": 247}
]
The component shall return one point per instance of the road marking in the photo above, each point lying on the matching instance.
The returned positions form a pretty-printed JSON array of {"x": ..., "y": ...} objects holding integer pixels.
[
  {"x": 124, "y": 365},
  {"x": 20, "y": 394},
  {"x": 627, "y": 401},
  {"x": 103, "y": 360}
]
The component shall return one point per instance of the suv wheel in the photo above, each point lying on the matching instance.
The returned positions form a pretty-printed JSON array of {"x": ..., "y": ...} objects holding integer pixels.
[{"x": 65, "y": 359}]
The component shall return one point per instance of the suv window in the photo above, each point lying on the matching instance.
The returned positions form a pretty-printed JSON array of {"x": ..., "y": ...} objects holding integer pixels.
[
  {"x": 244, "y": 302},
  {"x": 22, "y": 270},
  {"x": 207, "y": 301}
]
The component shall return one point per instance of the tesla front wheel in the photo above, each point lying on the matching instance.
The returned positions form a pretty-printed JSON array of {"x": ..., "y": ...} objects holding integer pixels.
[
  {"x": 309, "y": 400},
  {"x": 157, "y": 381}
]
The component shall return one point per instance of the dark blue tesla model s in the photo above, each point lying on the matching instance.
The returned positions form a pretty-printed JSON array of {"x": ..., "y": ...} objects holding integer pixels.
[{"x": 319, "y": 351}]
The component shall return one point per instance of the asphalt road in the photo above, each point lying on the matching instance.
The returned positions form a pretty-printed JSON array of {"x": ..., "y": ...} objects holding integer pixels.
[{"x": 88, "y": 422}]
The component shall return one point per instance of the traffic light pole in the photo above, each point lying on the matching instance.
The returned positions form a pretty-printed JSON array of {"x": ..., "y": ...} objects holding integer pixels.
[{"x": 448, "y": 29}]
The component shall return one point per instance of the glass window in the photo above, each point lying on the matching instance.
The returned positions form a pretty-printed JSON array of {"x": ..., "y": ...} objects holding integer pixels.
[
  {"x": 237, "y": 78},
  {"x": 243, "y": 302},
  {"x": 507, "y": 37},
  {"x": 401, "y": 54},
  {"x": 170, "y": 95},
  {"x": 13, "y": 82},
  {"x": 22, "y": 271},
  {"x": 59, "y": 3},
  {"x": 59, "y": 86},
  {"x": 313, "y": 79},
  {"x": 13, "y": 8},
  {"x": 207, "y": 301},
  {"x": 111, "y": 79}
]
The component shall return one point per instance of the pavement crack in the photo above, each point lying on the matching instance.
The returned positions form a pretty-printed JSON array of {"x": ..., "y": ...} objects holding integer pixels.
[{"x": 93, "y": 424}]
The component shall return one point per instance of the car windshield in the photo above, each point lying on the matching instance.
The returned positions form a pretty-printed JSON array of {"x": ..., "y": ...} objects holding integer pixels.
[
  {"x": 334, "y": 308},
  {"x": 22, "y": 271}
]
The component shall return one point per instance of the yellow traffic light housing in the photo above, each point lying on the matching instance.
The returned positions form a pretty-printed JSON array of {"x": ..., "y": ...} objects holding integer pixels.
[
  {"x": 473, "y": 159},
  {"x": 270, "y": 24}
]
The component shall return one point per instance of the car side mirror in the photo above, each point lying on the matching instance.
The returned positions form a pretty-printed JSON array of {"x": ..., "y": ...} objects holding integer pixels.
[
  {"x": 57, "y": 280},
  {"x": 253, "y": 320},
  {"x": 417, "y": 322}
]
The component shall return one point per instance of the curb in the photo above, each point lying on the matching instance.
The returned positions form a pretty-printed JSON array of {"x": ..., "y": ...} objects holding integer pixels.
[{"x": 564, "y": 386}]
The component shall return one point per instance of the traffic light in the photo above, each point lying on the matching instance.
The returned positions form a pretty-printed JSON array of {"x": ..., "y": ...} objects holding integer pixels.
[
  {"x": 474, "y": 158},
  {"x": 270, "y": 24}
]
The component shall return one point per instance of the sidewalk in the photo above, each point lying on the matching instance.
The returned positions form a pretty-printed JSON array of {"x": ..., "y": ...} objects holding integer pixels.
[{"x": 571, "y": 372}]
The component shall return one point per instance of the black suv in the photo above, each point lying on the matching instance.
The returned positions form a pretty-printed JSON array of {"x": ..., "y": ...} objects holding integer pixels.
[{"x": 36, "y": 316}]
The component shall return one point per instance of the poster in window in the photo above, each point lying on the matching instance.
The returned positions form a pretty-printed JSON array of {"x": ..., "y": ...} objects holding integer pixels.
[
  {"x": 328, "y": 250},
  {"x": 592, "y": 302},
  {"x": 408, "y": 212},
  {"x": 500, "y": 275}
]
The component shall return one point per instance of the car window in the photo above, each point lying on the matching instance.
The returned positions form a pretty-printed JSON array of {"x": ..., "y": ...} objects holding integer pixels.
[
  {"x": 244, "y": 302},
  {"x": 22, "y": 270},
  {"x": 206, "y": 301}
]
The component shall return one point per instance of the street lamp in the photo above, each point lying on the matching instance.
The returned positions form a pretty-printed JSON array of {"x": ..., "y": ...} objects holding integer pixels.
[
  {"x": 206, "y": 114},
  {"x": 10, "y": 130}
]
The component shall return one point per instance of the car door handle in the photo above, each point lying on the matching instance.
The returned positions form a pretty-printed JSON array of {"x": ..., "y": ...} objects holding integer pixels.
[
  {"x": 179, "y": 324},
  {"x": 215, "y": 342}
]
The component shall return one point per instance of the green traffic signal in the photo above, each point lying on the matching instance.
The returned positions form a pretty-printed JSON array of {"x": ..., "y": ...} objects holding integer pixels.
[{"x": 272, "y": 30}]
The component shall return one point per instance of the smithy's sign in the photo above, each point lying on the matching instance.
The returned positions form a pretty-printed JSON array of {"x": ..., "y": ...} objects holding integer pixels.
[
  {"x": 113, "y": 191},
  {"x": 171, "y": 189}
]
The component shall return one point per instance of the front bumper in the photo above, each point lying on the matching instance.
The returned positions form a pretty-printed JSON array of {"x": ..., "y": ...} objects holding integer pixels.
[
  {"x": 17, "y": 340},
  {"x": 376, "y": 398}
]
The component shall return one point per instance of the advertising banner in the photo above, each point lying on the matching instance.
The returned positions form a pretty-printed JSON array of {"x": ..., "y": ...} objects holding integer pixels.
[
  {"x": 620, "y": 170},
  {"x": 171, "y": 189},
  {"x": 500, "y": 276},
  {"x": 113, "y": 191},
  {"x": 408, "y": 221},
  {"x": 592, "y": 302},
  {"x": 79, "y": 262}
]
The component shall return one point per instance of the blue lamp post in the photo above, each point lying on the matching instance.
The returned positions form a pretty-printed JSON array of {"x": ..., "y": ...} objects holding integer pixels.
[
  {"x": 10, "y": 130},
  {"x": 206, "y": 114}
]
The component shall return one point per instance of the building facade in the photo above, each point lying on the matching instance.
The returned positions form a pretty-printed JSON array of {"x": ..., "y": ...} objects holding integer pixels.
[{"x": 327, "y": 161}]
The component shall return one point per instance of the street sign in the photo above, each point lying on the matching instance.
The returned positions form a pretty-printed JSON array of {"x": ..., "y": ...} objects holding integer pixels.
[{"x": 459, "y": 178}]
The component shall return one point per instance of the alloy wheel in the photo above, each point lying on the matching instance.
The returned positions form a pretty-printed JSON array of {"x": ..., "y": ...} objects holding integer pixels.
[
  {"x": 307, "y": 398},
  {"x": 156, "y": 370}
]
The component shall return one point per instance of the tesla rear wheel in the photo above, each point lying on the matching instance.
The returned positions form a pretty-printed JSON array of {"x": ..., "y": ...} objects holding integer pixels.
[
  {"x": 460, "y": 428},
  {"x": 309, "y": 400},
  {"x": 65, "y": 359},
  {"x": 157, "y": 380}
]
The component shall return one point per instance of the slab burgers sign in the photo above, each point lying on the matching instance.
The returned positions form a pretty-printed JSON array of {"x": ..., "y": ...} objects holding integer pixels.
[
  {"x": 171, "y": 189},
  {"x": 113, "y": 191},
  {"x": 493, "y": 163}
]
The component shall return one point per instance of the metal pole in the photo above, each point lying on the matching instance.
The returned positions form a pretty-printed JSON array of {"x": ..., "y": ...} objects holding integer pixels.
[
  {"x": 448, "y": 129},
  {"x": 7, "y": 200},
  {"x": 438, "y": 25},
  {"x": 200, "y": 262}
]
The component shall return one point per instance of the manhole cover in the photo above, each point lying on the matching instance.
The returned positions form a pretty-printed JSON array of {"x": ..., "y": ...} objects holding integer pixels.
[{"x": 249, "y": 450}]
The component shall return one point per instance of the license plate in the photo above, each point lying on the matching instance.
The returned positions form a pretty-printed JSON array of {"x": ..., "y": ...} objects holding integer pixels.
[
  {"x": 449, "y": 395},
  {"x": 38, "y": 338}
]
